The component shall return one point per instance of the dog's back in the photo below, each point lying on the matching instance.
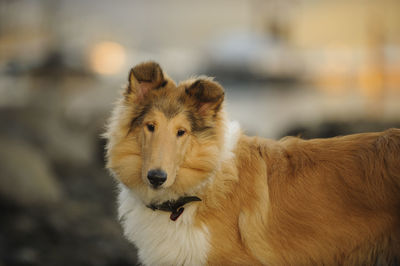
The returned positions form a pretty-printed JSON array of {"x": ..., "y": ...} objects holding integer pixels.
[{"x": 335, "y": 196}]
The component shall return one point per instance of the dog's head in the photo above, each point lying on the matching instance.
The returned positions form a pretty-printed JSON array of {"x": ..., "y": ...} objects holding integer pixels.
[{"x": 165, "y": 140}]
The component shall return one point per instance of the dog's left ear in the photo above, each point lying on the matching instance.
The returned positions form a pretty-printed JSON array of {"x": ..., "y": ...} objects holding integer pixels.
[{"x": 208, "y": 95}]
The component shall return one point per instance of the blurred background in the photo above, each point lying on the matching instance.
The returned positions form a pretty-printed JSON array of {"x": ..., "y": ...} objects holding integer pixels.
[{"x": 290, "y": 67}]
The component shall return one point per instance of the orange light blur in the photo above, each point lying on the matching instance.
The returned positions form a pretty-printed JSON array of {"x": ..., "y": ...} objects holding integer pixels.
[{"x": 107, "y": 58}]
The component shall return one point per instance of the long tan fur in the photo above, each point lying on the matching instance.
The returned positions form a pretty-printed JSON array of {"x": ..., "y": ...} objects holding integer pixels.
[{"x": 264, "y": 202}]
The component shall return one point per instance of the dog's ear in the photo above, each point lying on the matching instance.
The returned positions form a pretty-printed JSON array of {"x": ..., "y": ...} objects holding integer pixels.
[
  {"x": 143, "y": 78},
  {"x": 208, "y": 95}
]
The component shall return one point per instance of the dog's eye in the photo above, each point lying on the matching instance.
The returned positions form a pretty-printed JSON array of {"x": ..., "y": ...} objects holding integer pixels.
[
  {"x": 180, "y": 133},
  {"x": 150, "y": 127}
]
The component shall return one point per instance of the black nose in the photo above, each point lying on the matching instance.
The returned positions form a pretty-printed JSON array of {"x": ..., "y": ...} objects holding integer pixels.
[{"x": 157, "y": 177}]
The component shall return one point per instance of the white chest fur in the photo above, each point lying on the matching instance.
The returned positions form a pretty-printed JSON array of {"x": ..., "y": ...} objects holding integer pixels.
[{"x": 161, "y": 241}]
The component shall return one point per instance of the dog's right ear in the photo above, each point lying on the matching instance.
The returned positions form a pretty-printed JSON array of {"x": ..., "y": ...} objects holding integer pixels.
[{"x": 143, "y": 78}]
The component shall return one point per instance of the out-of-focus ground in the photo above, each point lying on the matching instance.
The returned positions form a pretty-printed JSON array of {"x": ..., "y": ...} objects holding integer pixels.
[{"x": 308, "y": 68}]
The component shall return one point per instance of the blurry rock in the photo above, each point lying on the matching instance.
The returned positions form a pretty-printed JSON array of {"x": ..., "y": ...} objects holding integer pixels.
[
  {"x": 65, "y": 145},
  {"x": 25, "y": 176},
  {"x": 59, "y": 141},
  {"x": 26, "y": 256},
  {"x": 24, "y": 223}
]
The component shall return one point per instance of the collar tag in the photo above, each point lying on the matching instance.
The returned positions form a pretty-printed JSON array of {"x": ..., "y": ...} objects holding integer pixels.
[{"x": 175, "y": 215}]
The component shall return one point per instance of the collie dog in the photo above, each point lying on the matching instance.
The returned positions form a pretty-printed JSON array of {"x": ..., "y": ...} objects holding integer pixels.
[{"x": 194, "y": 190}]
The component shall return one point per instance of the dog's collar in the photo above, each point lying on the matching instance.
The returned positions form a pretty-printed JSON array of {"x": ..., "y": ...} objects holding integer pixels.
[{"x": 173, "y": 206}]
